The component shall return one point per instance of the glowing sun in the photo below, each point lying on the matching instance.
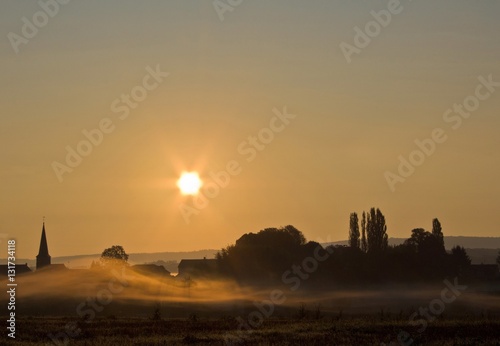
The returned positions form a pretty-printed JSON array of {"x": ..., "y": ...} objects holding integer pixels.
[{"x": 189, "y": 183}]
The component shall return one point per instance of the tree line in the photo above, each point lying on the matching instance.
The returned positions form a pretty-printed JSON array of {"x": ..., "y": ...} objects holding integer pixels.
[{"x": 266, "y": 255}]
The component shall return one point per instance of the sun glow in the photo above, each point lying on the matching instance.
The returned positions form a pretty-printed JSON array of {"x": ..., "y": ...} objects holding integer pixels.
[{"x": 189, "y": 183}]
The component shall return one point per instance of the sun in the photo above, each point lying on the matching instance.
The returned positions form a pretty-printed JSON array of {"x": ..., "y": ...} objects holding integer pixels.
[{"x": 189, "y": 183}]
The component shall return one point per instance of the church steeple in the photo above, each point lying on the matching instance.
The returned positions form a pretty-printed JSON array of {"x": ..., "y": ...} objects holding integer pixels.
[{"x": 43, "y": 257}]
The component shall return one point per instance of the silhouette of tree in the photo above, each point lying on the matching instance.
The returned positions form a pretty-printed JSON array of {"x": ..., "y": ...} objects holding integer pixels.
[
  {"x": 354, "y": 231},
  {"x": 266, "y": 255},
  {"x": 399, "y": 259},
  {"x": 114, "y": 255},
  {"x": 498, "y": 258},
  {"x": 376, "y": 231},
  {"x": 364, "y": 245},
  {"x": 460, "y": 254},
  {"x": 295, "y": 234},
  {"x": 460, "y": 260},
  {"x": 430, "y": 254},
  {"x": 224, "y": 259},
  {"x": 437, "y": 232},
  {"x": 418, "y": 240}
]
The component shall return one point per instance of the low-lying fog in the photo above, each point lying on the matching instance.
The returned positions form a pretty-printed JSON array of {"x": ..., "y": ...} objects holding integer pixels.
[{"x": 125, "y": 292}]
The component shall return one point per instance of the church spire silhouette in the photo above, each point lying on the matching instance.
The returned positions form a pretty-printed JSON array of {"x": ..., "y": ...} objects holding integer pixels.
[{"x": 43, "y": 257}]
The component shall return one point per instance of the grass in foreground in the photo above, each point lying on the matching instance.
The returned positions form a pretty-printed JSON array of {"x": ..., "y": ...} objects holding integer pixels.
[{"x": 326, "y": 331}]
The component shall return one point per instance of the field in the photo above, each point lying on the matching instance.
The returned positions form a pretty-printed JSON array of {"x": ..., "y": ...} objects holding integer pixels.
[
  {"x": 335, "y": 330},
  {"x": 64, "y": 310}
]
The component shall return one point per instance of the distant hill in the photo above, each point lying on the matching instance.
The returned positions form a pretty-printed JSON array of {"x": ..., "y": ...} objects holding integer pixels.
[
  {"x": 482, "y": 256},
  {"x": 472, "y": 242}
]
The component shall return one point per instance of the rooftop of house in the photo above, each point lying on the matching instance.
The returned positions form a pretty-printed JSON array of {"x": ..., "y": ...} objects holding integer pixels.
[
  {"x": 151, "y": 269},
  {"x": 20, "y": 269}
]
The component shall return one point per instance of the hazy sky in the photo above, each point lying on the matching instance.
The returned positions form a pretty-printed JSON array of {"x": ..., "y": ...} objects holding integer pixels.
[{"x": 353, "y": 120}]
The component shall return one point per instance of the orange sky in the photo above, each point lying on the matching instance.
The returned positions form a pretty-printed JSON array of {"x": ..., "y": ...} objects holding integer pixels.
[{"x": 227, "y": 80}]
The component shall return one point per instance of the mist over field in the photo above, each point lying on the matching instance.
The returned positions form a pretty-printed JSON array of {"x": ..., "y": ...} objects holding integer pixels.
[{"x": 128, "y": 293}]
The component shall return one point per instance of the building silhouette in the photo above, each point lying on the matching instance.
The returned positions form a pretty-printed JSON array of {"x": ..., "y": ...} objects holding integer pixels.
[
  {"x": 151, "y": 270},
  {"x": 197, "y": 267},
  {"x": 20, "y": 269},
  {"x": 43, "y": 257}
]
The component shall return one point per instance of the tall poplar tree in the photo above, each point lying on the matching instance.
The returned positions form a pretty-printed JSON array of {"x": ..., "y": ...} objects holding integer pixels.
[
  {"x": 376, "y": 231},
  {"x": 364, "y": 245},
  {"x": 438, "y": 233},
  {"x": 354, "y": 231}
]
